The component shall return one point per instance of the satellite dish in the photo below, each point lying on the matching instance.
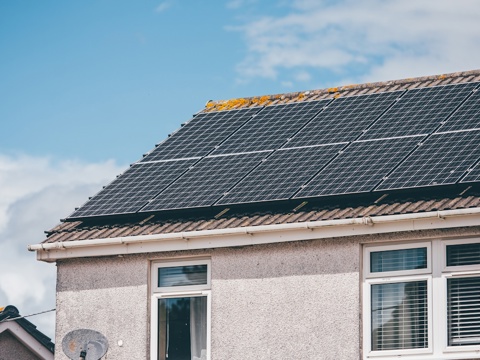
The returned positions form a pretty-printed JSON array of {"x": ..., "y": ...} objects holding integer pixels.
[{"x": 84, "y": 344}]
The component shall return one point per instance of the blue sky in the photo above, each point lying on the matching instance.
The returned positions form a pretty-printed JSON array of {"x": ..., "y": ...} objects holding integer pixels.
[{"x": 87, "y": 87}]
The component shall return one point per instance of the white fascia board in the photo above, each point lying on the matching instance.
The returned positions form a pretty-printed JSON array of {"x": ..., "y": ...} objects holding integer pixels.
[
  {"x": 262, "y": 234},
  {"x": 26, "y": 339}
]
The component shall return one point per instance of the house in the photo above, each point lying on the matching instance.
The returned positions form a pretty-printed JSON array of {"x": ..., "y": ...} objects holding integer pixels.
[
  {"x": 20, "y": 339},
  {"x": 341, "y": 223}
]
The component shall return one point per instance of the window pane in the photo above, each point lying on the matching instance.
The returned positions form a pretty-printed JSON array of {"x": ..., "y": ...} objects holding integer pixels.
[
  {"x": 182, "y": 328},
  {"x": 463, "y": 254},
  {"x": 396, "y": 260},
  {"x": 182, "y": 275},
  {"x": 399, "y": 316},
  {"x": 463, "y": 311}
]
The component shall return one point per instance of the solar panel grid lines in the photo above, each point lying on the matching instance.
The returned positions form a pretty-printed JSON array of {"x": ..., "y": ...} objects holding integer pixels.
[
  {"x": 473, "y": 174},
  {"x": 419, "y": 111},
  {"x": 466, "y": 117},
  {"x": 205, "y": 182},
  {"x": 443, "y": 158},
  {"x": 271, "y": 127},
  {"x": 344, "y": 119},
  {"x": 201, "y": 134},
  {"x": 130, "y": 191},
  {"x": 281, "y": 175},
  {"x": 360, "y": 167}
]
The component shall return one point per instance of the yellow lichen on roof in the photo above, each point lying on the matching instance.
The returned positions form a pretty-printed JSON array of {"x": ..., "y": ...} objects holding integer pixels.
[
  {"x": 240, "y": 103},
  {"x": 335, "y": 92},
  {"x": 1, "y": 309}
]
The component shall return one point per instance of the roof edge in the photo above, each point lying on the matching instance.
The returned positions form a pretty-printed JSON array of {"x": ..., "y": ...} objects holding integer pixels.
[
  {"x": 253, "y": 235},
  {"x": 238, "y": 103}
]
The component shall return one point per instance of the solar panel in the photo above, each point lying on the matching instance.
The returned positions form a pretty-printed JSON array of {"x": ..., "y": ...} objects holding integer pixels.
[
  {"x": 133, "y": 189},
  {"x": 282, "y": 174},
  {"x": 360, "y": 167},
  {"x": 419, "y": 111},
  {"x": 473, "y": 174},
  {"x": 206, "y": 182},
  {"x": 201, "y": 134},
  {"x": 271, "y": 127},
  {"x": 466, "y": 117},
  {"x": 441, "y": 159},
  {"x": 344, "y": 119}
]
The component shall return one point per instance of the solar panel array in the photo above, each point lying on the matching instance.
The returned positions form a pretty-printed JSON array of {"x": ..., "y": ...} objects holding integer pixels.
[{"x": 391, "y": 140}]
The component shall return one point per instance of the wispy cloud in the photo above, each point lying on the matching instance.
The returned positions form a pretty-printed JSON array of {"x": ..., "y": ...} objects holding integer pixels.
[
  {"x": 34, "y": 194},
  {"x": 163, "y": 6},
  {"x": 363, "y": 40}
]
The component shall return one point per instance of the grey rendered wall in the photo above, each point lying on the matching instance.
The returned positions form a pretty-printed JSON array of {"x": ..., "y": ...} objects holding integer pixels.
[
  {"x": 277, "y": 301},
  {"x": 12, "y": 349}
]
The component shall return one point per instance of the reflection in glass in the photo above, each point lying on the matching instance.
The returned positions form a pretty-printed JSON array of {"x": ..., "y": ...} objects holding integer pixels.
[
  {"x": 399, "y": 315},
  {"x": 182, "y": 328},
  {"x": 396, "y": 260},
  {"x": 182, "y": 275}
]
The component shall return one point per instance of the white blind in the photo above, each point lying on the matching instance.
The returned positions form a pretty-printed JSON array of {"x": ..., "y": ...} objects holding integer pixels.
[
  {"x": 463, "y": 254},
  {"x": 182, "y": 275},
  {"x": 396, "y": 260},
  {"x": 463, "y": 311},
  {"x": 399, "y": 315}
]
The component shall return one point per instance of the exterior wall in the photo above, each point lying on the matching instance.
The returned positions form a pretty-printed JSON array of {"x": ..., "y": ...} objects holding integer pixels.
[
  {"x": 292, "y": 300},
  {"x": 268, "y": 301},
  {"x": 11, "y": 348}
]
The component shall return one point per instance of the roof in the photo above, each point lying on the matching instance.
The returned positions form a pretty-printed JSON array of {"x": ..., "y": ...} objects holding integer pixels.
[
  {"x": 11, "y": 313},
  {"x": 459, "y": 196}
]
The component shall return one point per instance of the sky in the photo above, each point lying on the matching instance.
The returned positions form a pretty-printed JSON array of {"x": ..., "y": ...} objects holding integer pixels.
[{"x": 87, "y": 87}]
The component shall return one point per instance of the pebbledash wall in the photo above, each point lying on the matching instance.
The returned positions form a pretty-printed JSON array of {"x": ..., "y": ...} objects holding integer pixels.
[{"x": 289, "y": 300}]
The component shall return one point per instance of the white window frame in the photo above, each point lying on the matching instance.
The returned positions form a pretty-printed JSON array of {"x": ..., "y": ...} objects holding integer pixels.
[
  {"x": 437, "y": 274},
  {"x": 177, "y": 292}
]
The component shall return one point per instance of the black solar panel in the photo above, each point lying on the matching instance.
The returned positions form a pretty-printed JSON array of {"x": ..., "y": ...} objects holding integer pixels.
[
  {"x": 344, "y": 119},
  {"x": 282, "y": 174},
  {"x": 271, "y": 127},
  {"x": 206, "y": 182},
  {"x": 360, "y": 167},
  {"x": 200, "y": 135},
  {"x": 473, "y": 175},
  {"x": 419, "y": 111},
  {"x": 133, "y": 189},
  {"x": 442, "y": 159},
  {"x": 466, "y": 117}
]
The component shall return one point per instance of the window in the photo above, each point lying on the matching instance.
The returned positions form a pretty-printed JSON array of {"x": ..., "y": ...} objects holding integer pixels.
[
  {"x": 422, "y": 300},
  {"x": 181, "y": 310}
]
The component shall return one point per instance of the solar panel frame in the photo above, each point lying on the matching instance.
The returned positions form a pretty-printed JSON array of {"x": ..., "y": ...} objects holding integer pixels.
[
  {"x": 130, "y": 191},
  {"x": 360, "y": 167},
  {"x": 270, "y": 128},
  {"x": 344, "y": 119},
  {"x": 466, "y": 117},
  {"x": 473, "y": 174},
  {"x": 281, "y": 175},
  {"x": 442, "y": 159},
  {"x": 205, "y": 182},
  {"x": 199, "y": 136},
  {"x": 419, "y": 111}
]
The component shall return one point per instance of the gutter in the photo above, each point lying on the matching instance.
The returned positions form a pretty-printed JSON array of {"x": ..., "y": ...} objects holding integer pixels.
[{"x": 343, "y": 228}]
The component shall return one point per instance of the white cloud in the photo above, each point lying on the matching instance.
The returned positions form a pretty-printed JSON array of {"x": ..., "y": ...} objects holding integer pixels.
[
  {"x": 163, "y": 6},
  {"x": 34, "y": 194},
  {"x": 372, "y": 39}
]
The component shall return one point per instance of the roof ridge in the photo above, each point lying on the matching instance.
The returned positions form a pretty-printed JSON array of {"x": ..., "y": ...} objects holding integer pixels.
[{"x": 345, "y": 90}]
